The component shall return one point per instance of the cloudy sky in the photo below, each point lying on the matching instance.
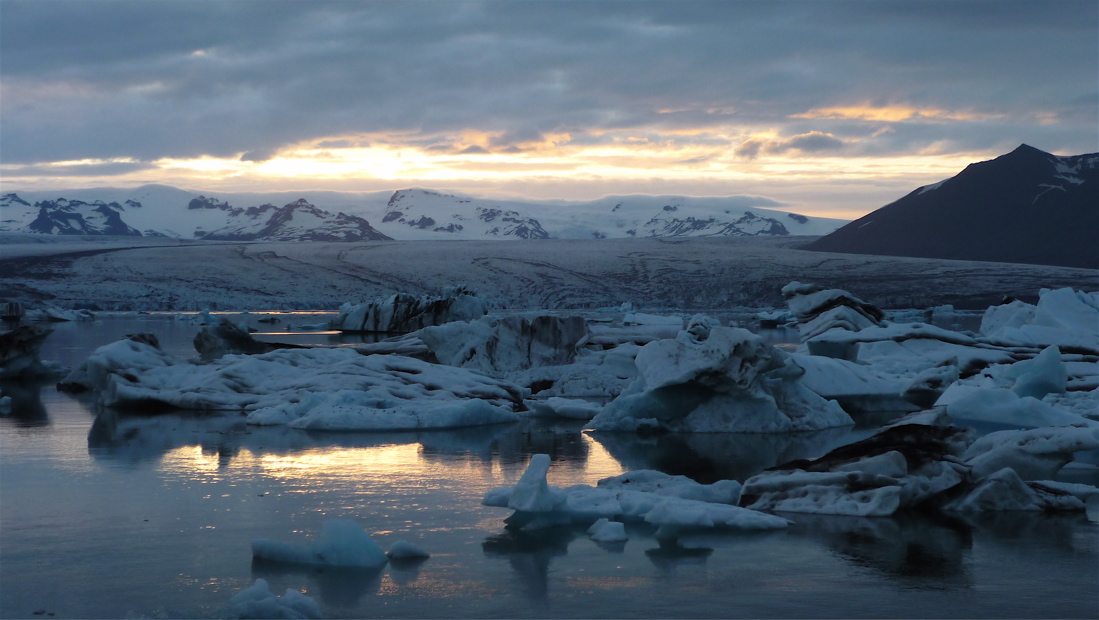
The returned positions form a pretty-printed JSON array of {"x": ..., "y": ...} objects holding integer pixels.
[{"x": 829, "y": 107}]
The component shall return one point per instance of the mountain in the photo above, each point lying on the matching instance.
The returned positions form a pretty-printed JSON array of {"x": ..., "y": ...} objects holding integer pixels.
[
  {"x": 1027, "y": 206},
  {"x": 64, "y": 217},
  {"x": 408, "y": 214},
  {"x": 297, "y": 221}
]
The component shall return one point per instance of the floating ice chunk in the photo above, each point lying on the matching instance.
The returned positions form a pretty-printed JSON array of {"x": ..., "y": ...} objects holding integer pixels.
[
  {"x": 20, "y": 351},
  {"x": 660, "y": 483},
  {"x": 835, "y": 493},
  {"x": 1001, "y": 405},
  {"x": 718, "y": 379},
  {"x": 607, "y": 531},
  {"x": 5, "y": 405},
  {"x": 557, "y": 407},
  {"x": 855, "y": 386},
  {"x": 1004, "y": 490},
  {"x": 640, "y": 318},
  {"x": 257, "y": 601},
  {"x": 1063, "y": 317},
  {"x": 673, "y": 515},
  {"x": 404, "y": 550},
  {"x": 131, "y": 356},
  {"x": 899, "y": 467},
  {"x": 533, "y": 493},
  {"x": 1045, "y": 374},
  {"x": 58, "y": 315},
  {"x": 342, "y": 542},
  {"x": 538, "y": 505},
  {"x": 401, "y": 313},
  {"x": 1034, "y": 454},
  {"x": 333, "y": 389},
  {"x": 497, "y": 344}
]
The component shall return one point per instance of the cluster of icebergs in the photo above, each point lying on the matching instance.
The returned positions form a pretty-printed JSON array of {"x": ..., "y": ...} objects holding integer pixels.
[{"x": 1029, "y": 367}]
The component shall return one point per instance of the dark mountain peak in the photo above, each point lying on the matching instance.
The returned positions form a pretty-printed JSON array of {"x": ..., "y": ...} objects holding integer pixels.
[{"x": 1026, "y": 206}]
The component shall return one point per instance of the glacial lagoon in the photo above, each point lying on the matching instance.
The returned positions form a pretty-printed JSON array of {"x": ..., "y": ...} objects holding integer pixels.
[{"x": 105, "y": 514}]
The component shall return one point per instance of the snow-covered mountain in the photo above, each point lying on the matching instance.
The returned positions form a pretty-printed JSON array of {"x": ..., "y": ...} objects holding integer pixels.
[
  {"x": 1027, "y": 206},
  {"x": 410, "y": 214}
]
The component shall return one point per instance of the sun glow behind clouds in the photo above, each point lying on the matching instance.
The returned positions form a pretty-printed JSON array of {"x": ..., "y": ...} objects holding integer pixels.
[{"x": 579, "y": 165}]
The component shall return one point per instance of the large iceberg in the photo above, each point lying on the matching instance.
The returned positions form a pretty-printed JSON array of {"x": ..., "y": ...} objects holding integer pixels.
[
  {"x": 508, "y": 343},
  {"x": 1063, "y": 317},
  {"x": 330, "y": 389},
  {"x": 402, "y": 313},
  {"x": 20, "y": 352},
  {"x": 712, "y": 378}
]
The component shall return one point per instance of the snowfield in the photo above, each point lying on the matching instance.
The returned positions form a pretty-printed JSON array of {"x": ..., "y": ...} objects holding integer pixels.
[{"x": 684, "y": 274}]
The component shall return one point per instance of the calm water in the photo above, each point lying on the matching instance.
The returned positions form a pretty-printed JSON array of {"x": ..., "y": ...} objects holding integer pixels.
[{"x": 107, "y": 516}]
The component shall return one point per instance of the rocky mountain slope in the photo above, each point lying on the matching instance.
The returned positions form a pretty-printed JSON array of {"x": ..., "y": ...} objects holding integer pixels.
[{"x": 1027, "y": 206}]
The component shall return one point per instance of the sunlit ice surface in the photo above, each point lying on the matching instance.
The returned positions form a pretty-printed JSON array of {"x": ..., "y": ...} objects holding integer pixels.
[{"x": 105, "y": 514}]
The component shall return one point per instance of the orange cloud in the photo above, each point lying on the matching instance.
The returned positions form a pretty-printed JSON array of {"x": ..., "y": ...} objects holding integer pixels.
[{"x": 895, "y": 113}]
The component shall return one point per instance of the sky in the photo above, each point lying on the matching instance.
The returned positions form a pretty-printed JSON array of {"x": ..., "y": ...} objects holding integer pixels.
[{"x": 833, "y": 108}]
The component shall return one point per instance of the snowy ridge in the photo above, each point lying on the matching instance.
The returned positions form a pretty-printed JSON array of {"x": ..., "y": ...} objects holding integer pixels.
[{"x": 409, "y": 214}]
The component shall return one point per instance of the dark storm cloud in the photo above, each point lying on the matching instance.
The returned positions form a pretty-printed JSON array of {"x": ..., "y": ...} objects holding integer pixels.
[{"x": 150, "y": 79}]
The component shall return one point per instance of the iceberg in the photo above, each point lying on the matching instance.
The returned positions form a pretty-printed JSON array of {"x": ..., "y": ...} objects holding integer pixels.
[
  {"x": 402, "y": 313},
  {"x": 342, "y": 543},
  {"x": 671, "y": 503},
  {"x": 712, "y": 378},
  {"x": 258, "y": 601}
]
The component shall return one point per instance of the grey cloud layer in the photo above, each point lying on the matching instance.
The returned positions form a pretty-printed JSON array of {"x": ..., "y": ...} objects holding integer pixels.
[{"x": 177, "y": 79}]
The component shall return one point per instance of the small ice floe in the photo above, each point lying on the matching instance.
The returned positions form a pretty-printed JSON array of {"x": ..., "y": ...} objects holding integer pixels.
[
  {"x": 667, "y": 502},
  {"x": 342, "y": 543},
  {"x": 402, "y": 550},
  {"x": 20, "y": 352},
  {"x": 308, "y": 327},
  {"x": 818, "y": 310},
  {"x": 258, "y": 601},
  {"x": 557, "y": 407},
  {"x": 317, "y": 388},
  {"x": 606, "y": 531},
  {"x": 771, "y": 319},
  {"x": 1005, "y": 490},
  {"x": 204, "y": 318},
  {"x": 641, "y": 318},
  {"x": 5, "y": 405},
  {"x": 58, "y": 315},
  {"x": 712, "y": 378},
  {"x": 402, "y": 313}
]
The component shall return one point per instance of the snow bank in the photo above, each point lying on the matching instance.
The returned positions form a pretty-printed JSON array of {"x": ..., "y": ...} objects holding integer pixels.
[
  {"x": 669, "y": 502},
  {"x": 257, "y": 601},
  {"x": 342, "y": 543},
  {"x": 718, "y": 379},
  {"x": 401, "y": 312}
]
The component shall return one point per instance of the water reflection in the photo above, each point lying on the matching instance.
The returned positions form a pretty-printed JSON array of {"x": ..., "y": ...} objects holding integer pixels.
[
  {"x": 27, "y": 410},
  {"x": 925, "y": 551},
  {"x": 709, "y": 457},
  {"x": 530, "y": 555},
  {"x": 338, "y": 587}
]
